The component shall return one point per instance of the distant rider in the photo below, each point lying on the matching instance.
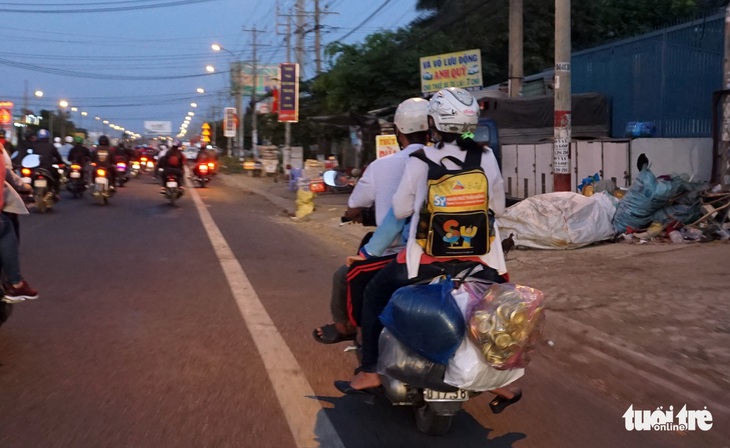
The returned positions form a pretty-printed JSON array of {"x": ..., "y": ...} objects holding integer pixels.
[
  {"x": 48, "y": 157},
  {"x": 103, "y": 157}
]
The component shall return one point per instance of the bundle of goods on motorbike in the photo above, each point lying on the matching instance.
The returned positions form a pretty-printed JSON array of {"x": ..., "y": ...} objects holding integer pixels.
[{"x": 476, "y": 337}]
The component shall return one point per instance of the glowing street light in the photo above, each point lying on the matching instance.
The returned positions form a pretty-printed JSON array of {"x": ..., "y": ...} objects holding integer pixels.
[
  {"x": 74, "y": 109},
  {"x": 38, "y": 93},
  {"x": 200, "y": 90},
  {"x": 105, "y": 121},
  {"x": 63, "y": 103},
  {"x": 209, "y": 68},
  {"x": 191, "y": 114},
  {"x": 193, "y": 104},
  {"x": 83, "y": 114}
]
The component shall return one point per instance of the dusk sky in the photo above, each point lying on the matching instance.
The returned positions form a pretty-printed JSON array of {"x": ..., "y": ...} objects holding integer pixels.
[{"x": 135, "y": 60}]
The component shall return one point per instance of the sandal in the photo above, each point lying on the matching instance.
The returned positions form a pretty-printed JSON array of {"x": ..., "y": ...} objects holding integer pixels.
[
  {"x": 499, "y": 404},
  {"x": 331, "y": 335}
]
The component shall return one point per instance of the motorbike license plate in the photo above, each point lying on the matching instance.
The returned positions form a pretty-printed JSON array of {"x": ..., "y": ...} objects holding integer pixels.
[
  {"x": 26, "y": 180},
  {"x": 75, "y": 175},
  {"x": 171, "y": 184},
  {"x": 434, "y": 395},
  {"x": 40, "y": 183},
  {"x": 103, "y": 181}
]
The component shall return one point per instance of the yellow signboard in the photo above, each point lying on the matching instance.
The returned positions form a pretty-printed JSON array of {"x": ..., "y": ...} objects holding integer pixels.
[
  {"x": 386, "y": 145},
  {"x": 461, "y": 69}
]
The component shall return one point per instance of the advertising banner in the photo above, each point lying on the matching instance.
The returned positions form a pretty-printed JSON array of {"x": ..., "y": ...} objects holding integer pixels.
[
  {"x": 461, "y": 69},
  {"x": 242, "y": 76},
  {"x": 289, "y": 92},
  {"x": 229, "y": 122},
  {"x": 158, "y": 127},
  {"x": 386, "y": 145},
  {"x": 6, "y": 114}
]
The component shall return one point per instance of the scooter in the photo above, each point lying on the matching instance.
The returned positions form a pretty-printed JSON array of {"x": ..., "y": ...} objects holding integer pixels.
[
  {"x": 101, "y": 191},
  {"x": 202, "y": 173},
  {"x": 76, "y": 183},
  {"x": 147, "y": 165},
  {"x": 40, "y": 180},
  {"x": 121, "y": 178},
  {"x": 135, "y": 169},
  {"x": 173, "y": 192}
]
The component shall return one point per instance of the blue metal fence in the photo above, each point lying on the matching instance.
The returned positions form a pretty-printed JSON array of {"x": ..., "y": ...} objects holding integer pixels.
[{"x": 666, "y": 77}]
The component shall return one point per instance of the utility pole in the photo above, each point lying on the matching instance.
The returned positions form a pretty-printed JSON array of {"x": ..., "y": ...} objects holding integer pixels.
[
  {"x": 287, "y": 39},
  {"x": 721, "y": 165},
  {"x": 317, "y": 39},
  {"x": 236, "y": 72},
  {"x": 563, "y": 109},
  {"x": 299, "y": 48},
  {"x": 254, "y": 130},
  {"x": 516, "y": 39}
]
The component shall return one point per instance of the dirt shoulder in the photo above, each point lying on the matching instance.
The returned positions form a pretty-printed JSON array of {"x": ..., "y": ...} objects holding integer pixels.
[{"x": 648, "y": 324}]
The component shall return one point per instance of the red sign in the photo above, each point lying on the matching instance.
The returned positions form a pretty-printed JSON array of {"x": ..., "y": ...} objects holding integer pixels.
[{"x": 6, "y": 116}]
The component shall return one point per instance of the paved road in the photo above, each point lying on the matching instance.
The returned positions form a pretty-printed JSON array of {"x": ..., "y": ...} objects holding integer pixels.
[{"x": 139, "y": 340}]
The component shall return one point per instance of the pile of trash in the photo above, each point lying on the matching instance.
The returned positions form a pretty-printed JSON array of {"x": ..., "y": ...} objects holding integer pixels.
[{"x": 674, "y": 208}]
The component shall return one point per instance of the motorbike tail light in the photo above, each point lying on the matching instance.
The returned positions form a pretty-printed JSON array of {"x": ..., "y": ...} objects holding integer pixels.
[
  {"x": 121, "y": 165},
  {"x": 211, "y": 165},
  {"x": 75, "y": 167},
  {"x": 203, "y": 168},
  {"x": 143, "y": 159},
  {"x": 101, "y": 172},
  {"x": 25, "y": 172}
]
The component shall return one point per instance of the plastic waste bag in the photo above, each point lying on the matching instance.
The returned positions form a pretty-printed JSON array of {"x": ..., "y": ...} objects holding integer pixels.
[
  {"x": 426, "y": 319},
  {"x": 645, "y": 197},
  {"x": 467, "y": 369},
  {"x": 399, "y": 362}
]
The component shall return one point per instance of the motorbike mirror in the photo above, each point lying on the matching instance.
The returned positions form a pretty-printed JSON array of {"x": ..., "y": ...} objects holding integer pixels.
[
  {"x": 31, "y": 161},
  {"x": 334, "y": 178}
]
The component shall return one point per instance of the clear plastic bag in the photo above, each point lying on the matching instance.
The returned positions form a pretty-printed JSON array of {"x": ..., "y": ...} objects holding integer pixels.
[
  {"x": 505, "y": 323},
  {"x": 399, "y": 362}
]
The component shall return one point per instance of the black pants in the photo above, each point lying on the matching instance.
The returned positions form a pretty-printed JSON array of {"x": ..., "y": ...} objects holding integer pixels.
[
  {"x": 393, "y": 276},
  {"x": 177, "y": 172}
]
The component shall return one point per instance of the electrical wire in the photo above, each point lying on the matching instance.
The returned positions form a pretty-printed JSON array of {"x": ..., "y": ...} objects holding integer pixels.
[
  {"x": 367, "y": 19},
  {"x": 66, "y": 10}
]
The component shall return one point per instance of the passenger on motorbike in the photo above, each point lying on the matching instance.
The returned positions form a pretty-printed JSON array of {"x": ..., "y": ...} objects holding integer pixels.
[
  {"x": 172, "y": 164},
  {"x": 452, "y": 117},
  {"x": 66, "y": 148},
  {"x": 103, "y": 157},
  {"x": 15, "y": 288},
  {"x": 376, "y": 187},
  {"x": 48, "y": 157}
]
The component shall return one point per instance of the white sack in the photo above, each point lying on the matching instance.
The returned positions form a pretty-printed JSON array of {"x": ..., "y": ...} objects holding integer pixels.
[
  {"x": 563, "y": 220},
  {"x": 467, "y": 369}
]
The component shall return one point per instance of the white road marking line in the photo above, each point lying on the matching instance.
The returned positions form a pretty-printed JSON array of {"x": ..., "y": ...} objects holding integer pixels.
[{"x": 307, "y": 420}]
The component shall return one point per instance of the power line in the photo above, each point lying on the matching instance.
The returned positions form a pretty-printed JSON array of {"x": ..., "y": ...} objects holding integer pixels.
[
  {"x": 367, "y": 19},
  {"x": 65, "y": 10}
]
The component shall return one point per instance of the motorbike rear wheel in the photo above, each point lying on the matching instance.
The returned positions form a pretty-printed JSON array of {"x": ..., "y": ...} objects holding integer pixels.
[{"x": 428, "y": 422}]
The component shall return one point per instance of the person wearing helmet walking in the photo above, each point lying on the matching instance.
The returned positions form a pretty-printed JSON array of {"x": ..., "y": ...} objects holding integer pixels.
[
  {"x": 375, "y": 188},
  {"x": 452, "y": 119},
  {"x": 48, "y": 156}
]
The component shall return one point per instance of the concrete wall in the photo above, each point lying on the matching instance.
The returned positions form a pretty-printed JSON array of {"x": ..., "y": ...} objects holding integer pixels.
[{"x": 527, "y": 169}]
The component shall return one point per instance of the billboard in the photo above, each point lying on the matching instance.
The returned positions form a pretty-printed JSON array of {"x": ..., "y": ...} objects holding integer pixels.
[
  {"x": 158, "y": 127},
  {"x": 289, "y": 93},
  {"x": 6, "y": 113},
  {"x": 229, "y": 122},
  {"x": 461, "y": 69},
  {"x": 242, "y": 76}
]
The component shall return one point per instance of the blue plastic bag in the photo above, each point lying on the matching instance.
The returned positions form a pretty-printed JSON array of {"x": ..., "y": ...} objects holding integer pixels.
[
  {"x": 645, "y": 197},
  {"x": 426, "y": 319}
]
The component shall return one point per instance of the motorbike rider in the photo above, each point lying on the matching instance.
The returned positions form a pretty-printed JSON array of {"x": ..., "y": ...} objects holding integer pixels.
[
  {"x": 23, "y": 146},
  {"x": 103, "y": 157},
  {"x": 49, "y": 156},
  {"x": 6, "y": 145},
  {"x": 66, "y": 147},
  {"x": 452, "y": 118},
  {"x": 80, "y": 155},
  {"x": 57, "y": 142},
  {"x": 376, "y": 187},
  {"x": 172, "y": 163}
]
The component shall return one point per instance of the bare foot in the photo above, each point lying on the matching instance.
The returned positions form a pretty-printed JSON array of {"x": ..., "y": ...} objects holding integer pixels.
[{"x": 365, "y": 380}]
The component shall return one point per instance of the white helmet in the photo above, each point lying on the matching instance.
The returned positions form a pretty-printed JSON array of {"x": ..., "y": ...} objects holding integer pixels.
[
  {"x": 411, "y": 116},
  {"x": 69, "y": 139},
  {"x": 454, "y": 110},
  {"x": 57, "y": 139}
]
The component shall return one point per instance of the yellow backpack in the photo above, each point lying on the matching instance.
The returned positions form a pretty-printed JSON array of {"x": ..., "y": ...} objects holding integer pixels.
[{"x": 455, "y": 220}]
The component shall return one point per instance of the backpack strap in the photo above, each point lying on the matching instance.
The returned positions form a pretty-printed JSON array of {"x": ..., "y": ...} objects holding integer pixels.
[{"x": 473, "y": 159}]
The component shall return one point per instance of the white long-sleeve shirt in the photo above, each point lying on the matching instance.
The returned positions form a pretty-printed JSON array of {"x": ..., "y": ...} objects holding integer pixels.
[
  {"x": 379, "y": 182},
  {"x": 411, "y": 195}
]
